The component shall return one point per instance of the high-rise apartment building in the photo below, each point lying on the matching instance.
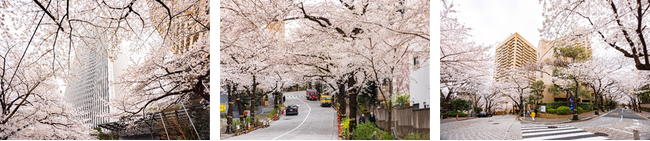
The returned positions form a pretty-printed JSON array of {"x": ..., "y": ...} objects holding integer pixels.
[
  {"x": 514, "y": 53},
  {"x": 90, "y": 88}
]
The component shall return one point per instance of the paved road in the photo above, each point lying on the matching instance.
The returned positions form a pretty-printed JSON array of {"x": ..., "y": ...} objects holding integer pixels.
[
  {"x": 493, "y": 128},
  {"x": 618, "y": 125},
  {"x": 312, "y": 123},
  {"x": 625, "y": 113}
]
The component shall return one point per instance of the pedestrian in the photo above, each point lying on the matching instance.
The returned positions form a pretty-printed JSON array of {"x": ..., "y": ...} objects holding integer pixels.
[
  {"x": 362, "y": 119},
  {"x": 532, "y": 115},
  {"x": 372, "y": 118},
  {"x": 284, "y": 98}
]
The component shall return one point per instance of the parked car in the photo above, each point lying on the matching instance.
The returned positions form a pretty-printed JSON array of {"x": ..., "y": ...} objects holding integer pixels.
[
  {"x": 292, "y": 110},
  {"x": 312, "y": 94},
  {"x": 483, "y": 114},
  {"x": 325, "y": 101}
]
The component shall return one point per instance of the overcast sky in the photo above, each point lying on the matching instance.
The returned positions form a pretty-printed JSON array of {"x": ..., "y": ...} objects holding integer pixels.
[{"x": 493, "y": 21}]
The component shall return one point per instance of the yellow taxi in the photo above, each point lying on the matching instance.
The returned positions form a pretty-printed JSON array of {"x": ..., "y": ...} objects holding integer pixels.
[{"x": 325, "y": 100}]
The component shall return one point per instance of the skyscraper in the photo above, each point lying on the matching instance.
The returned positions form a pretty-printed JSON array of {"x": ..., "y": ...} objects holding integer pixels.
[
  {"x": 514, "y": 53},
  {"x": 90, "y": 88}
]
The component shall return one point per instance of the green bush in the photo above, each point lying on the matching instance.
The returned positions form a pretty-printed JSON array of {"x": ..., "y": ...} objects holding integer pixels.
[
  {"x": 551, "y": 111},
  {"x": 454, "y": 113},
  {"x": 247, "y": 120},
  {"x": 386, "y": 136},
  {"x": 346, "y": 125},
  {"x": 554, "y": 105},
  {"x": 272, "y": 113},
  {"x": 580, "y": 110},
  {"x": 586, "y": 106},
  {"x": 478, "y": 110},
  {"x": 365, "y": 131},
  {"x": 563, "y": 110},
  {"x": 416, "y": 136}
]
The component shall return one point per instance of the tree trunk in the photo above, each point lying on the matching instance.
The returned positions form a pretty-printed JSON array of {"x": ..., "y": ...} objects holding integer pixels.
[
  {"x": 229, "y": 111},
  {"x": 240, "y": 106},
  {"x": 253, "y": 99},
  {"x": 341, "y": 99},
  {"x": 353, "y": 102},
  {"x": 390, "y": 106},
  {"x": 575, "y": 100},
  {"x": 521, "y": 102}
]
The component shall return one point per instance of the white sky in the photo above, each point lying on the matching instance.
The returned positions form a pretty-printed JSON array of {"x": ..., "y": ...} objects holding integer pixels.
[{"x": 493, "y": 21}]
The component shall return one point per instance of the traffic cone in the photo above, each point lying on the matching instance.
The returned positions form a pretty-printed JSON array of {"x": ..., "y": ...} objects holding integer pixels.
[{"x": 456, "y": 117}]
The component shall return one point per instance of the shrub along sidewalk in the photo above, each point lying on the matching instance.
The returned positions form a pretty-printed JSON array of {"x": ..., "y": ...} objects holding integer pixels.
[{"x": 551, "y": 118}]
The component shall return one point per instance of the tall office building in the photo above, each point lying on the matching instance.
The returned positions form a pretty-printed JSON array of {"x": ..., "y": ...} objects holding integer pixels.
[
  {"x": 514, "y": 53},
  {"x": 90, "y": 87}
]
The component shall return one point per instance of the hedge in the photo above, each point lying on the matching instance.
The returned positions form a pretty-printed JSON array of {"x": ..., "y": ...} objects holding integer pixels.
[
  {"x": 563, "y": 110},
  {"x": 554, "y": 105},
  {"x": 586, "y": 106},
  {"x": 551, "y": 111},
  {"x": 580, "y": 110},
  {"x": 454, "y": 113},
  {"x": 365, "y": 131}
]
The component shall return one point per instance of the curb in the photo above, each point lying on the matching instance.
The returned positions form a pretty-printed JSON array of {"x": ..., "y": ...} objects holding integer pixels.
[
  {"x": 581, "y": 120},
  {"x": 226, "y": 137}
]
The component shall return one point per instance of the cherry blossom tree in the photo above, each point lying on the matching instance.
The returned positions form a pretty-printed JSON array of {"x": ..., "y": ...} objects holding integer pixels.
[
  {"x": 618, "y": 24},
  {"x": 360, "y": 40},
  {"x": 461, "y": 60},
  {"x": 48, "y": 33},
  {"x": 600, "y": 75}
]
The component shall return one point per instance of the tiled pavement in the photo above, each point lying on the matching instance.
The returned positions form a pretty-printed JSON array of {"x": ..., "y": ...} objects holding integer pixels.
[{"x": 493, "y": 128}]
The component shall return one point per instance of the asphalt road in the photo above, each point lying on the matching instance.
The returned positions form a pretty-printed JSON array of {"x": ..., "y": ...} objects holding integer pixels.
[
  {"x": 312, "y": 123},
  {"x": 625, "y": 113}
]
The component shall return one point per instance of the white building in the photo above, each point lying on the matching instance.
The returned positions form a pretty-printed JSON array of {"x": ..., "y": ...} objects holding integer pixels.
[
  {"x": 90, "y": 87},
  {"x": 419, "y": 85}
]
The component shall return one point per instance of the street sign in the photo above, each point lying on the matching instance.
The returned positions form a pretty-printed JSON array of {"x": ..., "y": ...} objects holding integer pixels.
[
  {"x": 222, "y": 107},
  {"x": 543, "y": 108},
  {"x": 571, "y": 103}
]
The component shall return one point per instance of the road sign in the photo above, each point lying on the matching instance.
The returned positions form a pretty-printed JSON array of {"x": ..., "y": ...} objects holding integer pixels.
[
  {"x": 222, "y": 107},
  {"x": 570, "y": 103}
]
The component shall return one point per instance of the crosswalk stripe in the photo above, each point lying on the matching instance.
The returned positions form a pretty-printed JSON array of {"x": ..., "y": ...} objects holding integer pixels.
[
  {"x": 562, "y": 132},
  {"x": 554, "y": 137},
  {"x": 550, "y": 132},
  {"x": 546, "y": 129},
  {"x": 594, "y": 138}
]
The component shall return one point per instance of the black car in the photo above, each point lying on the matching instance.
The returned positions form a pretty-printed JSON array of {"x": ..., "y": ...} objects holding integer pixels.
[
  {"x": 483, "y": 114},
  {"x": 292, "y": 110}
]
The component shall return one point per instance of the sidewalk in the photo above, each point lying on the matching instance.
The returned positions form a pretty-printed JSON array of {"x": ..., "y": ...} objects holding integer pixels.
[
  {"x": 538, "y": 120},
  {"x": 261, "y": 111}
]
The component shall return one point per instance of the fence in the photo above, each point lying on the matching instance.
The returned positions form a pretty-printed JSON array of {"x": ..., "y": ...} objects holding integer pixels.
[{"x": 405, "y": 120}]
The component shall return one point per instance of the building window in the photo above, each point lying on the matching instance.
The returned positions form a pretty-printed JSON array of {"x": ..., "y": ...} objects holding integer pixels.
[{"x": 415, "y": 61}]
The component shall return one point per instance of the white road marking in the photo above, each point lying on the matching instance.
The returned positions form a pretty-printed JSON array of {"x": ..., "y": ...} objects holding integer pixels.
[
  {"x": 621, "y": 118},
  {"x": 303, "y": 121}
]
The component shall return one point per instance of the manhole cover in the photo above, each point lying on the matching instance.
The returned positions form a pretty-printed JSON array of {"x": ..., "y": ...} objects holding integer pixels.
[
  {"x": 601, "y": 134},
  {"x": 552, "y": 127},
  {"x": 495, "y": 123}
]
